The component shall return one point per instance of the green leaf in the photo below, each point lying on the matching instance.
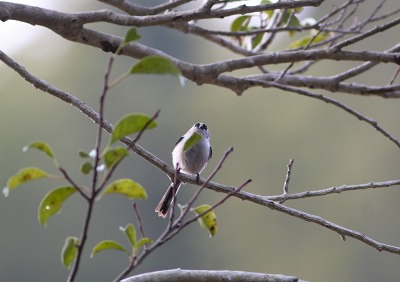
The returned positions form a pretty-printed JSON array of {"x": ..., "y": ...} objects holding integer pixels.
[
  {"x": 126, "y": 187},
  {"x": 285, "y": 16},
  {"x": 155, "y": 65},
  {"x": 193, "y": 140},
  {"x": 69, "y": 251},
  {"x": 86, "y": 167},
  {"x": 131, "y": 35},
  {"x": 142, "y": 242},
  {"x": 114, "y": 155},
  {"x": 298, "y": 10},
  {"x": 130, "y": 124},
  {"x": 83, "y": 154},
  {"x": 24, "y": 175},
  {"x": 130, "y": 233},
  {"x": 268, "y": 12},
  {"x": 257, "y": 40},
  {"x": 240, "y": 23},
  {"x": 52, "y": 202},
  {"x": 107, "y": 245},
  {"x": 208, "y": 220},
  {"x": 41, "y": 146},
  {"x": 294, "y": 22},
  {"x": 304, "y": 41}
]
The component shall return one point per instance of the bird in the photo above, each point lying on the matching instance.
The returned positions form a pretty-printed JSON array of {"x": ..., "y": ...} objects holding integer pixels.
[{"x": 191, "y": 161}]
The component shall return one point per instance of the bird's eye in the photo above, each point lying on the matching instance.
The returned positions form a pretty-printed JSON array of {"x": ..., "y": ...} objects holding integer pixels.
[{"x": 197, "y": 125}]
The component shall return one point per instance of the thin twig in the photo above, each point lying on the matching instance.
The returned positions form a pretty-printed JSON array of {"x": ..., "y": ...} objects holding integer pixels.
[
  {"x": 70, "y": 99},
  {"x": 202, "y": 75},
  {"x": 139, "y": 220},
  {"x": 335, "y": 190},
  {"x": 320, "y": 30},
  {"x": 336, "y": 103},
  {"x": 110, "y": 172},
  {"x": 213, "y": 207},
  {"x": 363, "y": 67},
  {"x": 176, "y": 226},
  {"x": 394, "y": 76},
  {"x": 73, "y": 183},
  {"x": 342, "y": 231},
  {"x": 147, "y": 124},
  {"x": 366, "y": 34},
  {"x": 92, "y": 197},
  {"x": 287, "y": 179},
  {"x": 121, "y": 19},
  {"x": 210, "y": 177}
]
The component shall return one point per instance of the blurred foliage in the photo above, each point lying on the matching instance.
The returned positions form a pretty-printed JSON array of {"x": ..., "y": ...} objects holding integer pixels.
[{"x": 267, "y": 127}]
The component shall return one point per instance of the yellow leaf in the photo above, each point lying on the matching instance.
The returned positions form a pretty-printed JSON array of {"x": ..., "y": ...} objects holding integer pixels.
[
  {"x": 304, "y": 41},
  {"x": 207, "y": 220},
  {"x": 126, "y": 187},
  {"x": 41, "y": 146},
  {"x": 24, "y": 175}
]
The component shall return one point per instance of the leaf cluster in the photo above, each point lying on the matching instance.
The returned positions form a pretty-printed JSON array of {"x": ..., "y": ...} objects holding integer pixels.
[
  {"x": 253, "y": 30},
  {"x": 101, "y": 164}
]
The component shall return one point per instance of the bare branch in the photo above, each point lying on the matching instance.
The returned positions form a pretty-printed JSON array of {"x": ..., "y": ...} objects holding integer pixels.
[
  {"x": 19, "y": 12},
  {"x": 332, "y": 226},
  {"x": 199, "y": 74},
  {"x": 335, "y": 190},
  {"x": 138, "y": 10},
  {"x": 261, "y": 200},
  {"x": 366, "y": 34},
  {"x": 72, "y": 27},
  {"x": 331, "y": 84},
  {"x": 82, "y": 107},
  {"x": 334, "y": 102},
  {"x": 207, "y": 275}
]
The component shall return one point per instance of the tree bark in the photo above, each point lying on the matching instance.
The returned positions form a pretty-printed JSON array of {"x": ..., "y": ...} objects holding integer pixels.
[{"x": 181, "y": 275}]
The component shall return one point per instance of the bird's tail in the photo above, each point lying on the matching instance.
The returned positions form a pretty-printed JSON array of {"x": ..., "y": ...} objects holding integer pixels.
[{"x": 163, "y": 206}]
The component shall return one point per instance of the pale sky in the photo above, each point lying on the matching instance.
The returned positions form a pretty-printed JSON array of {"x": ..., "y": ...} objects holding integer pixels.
[{"x": 14, "y": 35}]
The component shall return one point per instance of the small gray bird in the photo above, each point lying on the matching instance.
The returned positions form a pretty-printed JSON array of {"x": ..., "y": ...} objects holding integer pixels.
[{"x": 191, "y": 161}]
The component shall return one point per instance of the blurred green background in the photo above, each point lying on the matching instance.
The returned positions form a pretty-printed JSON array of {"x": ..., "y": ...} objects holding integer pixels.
[{"x": 266, "y": 127}]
